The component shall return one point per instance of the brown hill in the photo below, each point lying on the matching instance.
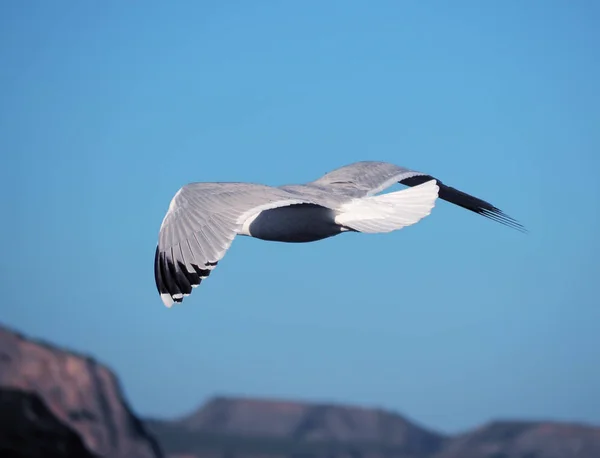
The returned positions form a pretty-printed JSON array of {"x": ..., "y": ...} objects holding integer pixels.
[
  {"x": 55, "y": 403},
  {"x": 250, "y": 427},
  {"x": 83, "y": 395},
  {"x": 514, "y": 439},
  {"x": 309, "y": 422}
]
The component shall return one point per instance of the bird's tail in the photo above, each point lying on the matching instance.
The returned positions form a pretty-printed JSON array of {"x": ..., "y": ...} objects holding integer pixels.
[{"x": 391, "y": 211}]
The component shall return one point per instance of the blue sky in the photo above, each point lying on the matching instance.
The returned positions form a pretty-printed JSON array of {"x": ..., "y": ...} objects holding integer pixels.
[{"x": 107, "y": 108}]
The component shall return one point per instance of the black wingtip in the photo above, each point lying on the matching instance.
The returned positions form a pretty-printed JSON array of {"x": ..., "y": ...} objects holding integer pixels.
[
  {"x": 499, "y": 216},
  {"x": 467, "y": 201},
  {"x": 160, "y": 284},
  {"x": 172, "y": 276}
]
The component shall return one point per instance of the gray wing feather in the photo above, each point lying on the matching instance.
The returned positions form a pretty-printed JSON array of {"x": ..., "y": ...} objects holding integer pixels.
[
  {"x": 364, "y": 178},
  {"x": 367, "y": 178},
  {"x": 199, "y": 227}
]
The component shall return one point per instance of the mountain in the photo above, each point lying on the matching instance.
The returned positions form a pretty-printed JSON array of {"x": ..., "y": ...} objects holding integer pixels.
[
  {"x": 519, "y": 439},
  {"x": 251, "y": 428},
  {"x": 269, "y": 427},
  {"x": 56, "y": 403},
  {"x": 74, "y": 397}
]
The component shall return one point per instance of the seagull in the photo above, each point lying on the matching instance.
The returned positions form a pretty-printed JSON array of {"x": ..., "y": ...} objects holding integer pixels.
[{"x": 204, "y": 218}]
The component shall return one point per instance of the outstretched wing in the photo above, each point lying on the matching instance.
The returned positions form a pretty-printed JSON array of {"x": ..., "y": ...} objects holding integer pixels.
[
  {"x": 199, "y": 227},
  {"x": 363, "y": 179},
  {"x": 370, "y": 177}
]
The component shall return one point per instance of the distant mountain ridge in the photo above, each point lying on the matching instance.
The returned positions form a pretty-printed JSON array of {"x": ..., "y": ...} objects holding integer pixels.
[
  {"x": 303, "y": 421},
  {"x": 238, "y": 427},
  {"x": 280, "y": 426},
  {"x": 56, "y": 403},
  {"x": 526, "y": 439}
]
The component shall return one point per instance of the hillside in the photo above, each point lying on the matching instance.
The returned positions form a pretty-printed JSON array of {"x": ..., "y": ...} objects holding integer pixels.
[
  {"x": 518, "y": 439},
  {"x": 75, "y": 394},
  {"x": 55, "y": 403},
  {"x": 234, "y": 425},
  {"x": 252, "y": 428},
  {"x": 24, "y": 416}
]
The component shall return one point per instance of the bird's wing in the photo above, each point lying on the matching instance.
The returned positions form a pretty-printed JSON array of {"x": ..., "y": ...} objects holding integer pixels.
[
  {"x": 362, "y": 179},
  {"x": 200, "y": 225}
]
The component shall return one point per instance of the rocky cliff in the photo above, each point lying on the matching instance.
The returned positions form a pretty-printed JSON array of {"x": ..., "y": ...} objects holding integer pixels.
[
  {"x": 29, "y": 430},
  {"x": 80, "y": 393}
]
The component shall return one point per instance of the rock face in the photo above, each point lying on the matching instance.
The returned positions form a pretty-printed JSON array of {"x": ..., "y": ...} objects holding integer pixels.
[
  {"x": 227, "y": 427},
  {"x": 29, "y": 430},
  {"x": 512, "y": 439},
  {"x": 82, "y": 394}
]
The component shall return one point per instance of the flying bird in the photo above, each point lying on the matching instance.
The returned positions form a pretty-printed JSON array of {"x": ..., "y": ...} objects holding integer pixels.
[{"x": 204, "y": 218}]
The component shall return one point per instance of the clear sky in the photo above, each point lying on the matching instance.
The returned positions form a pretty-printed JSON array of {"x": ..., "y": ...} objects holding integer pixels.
[{"x": 107, "y": 108}]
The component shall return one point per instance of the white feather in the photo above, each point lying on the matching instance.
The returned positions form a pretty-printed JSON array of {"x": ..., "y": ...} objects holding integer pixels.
[{"x": 389, "y": 212}]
